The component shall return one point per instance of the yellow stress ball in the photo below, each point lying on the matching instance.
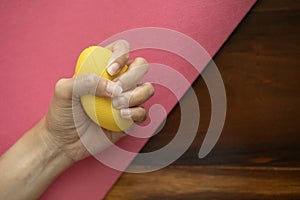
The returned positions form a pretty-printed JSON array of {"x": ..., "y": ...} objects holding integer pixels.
[{"x": 94, "y": 60}]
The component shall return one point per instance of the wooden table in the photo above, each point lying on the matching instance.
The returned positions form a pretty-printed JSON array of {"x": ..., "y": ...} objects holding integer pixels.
[{"x": 258, "y": 154}]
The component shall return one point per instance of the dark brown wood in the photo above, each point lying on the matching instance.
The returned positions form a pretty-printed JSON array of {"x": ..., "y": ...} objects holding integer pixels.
[
  {"x": 260, "y": 67},
  {"x": 210, "y": 182}
]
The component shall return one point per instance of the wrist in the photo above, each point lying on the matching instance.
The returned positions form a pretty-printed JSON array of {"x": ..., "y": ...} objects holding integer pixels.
[
  {"x": 50, "y": 146},
  {"x": 30, "y": 165}
]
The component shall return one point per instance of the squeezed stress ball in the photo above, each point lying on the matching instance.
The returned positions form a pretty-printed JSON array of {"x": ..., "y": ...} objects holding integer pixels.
[{"x": 94, "y": 60}]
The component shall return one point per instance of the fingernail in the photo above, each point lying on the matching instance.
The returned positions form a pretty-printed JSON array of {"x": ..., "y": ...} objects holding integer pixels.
[
  {"x": 113, "y": 89},
  {"x": 120, "y": 102},
  {"x": 113, "y": 68},
  {"x": 125, "y": 113}
]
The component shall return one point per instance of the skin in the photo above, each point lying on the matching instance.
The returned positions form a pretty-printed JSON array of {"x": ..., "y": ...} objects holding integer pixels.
[{"x": 54, "y": 143}]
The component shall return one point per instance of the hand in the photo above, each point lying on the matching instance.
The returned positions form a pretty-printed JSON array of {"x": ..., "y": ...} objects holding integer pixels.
[
  {"x": 54, "y": 144},
  {"x": 126, "y": 92}
]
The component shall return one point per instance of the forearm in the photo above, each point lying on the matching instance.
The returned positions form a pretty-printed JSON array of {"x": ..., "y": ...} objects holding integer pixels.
[{"x": 30, "y": 165}]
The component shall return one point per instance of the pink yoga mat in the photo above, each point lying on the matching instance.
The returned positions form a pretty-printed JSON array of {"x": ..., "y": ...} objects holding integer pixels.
[{"x": 41, "y": 40}]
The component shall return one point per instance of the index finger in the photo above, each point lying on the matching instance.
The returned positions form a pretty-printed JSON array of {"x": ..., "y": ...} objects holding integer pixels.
[{"x": 119, "y": 57}]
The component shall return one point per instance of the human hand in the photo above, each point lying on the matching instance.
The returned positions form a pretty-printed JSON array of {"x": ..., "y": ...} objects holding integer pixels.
[{"x": 127, "y": 95}]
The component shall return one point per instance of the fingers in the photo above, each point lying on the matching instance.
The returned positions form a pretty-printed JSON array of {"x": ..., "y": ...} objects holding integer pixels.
[
  {"x": 86, "y": 84},
  {"x": 137, "y": 114},
  {"x": 129, "y": 101},
  {"x": 119, "y": 57},
  {"x": 134, "y": 97},
  {"x": 136, "y": 71},
  {"x": 92, "y": 84}
]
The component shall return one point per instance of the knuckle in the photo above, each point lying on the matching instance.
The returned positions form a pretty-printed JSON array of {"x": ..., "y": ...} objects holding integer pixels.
[
  {"x": 61, "y": 88},
  {"x": 91, "y": 80},
  {"x": 126, "y": 56},
  {"x": 141, "y": 61},
  {"x": 122, "y": 50},
  {"x": 140, "y": 115},
  {"x": 150, "y": 89},
  {"x": 101, "y": 87},
  {"x": 60, "y": 83},
  {"x": 123, "y": 42},
  {"x": 122, "y": 45}
]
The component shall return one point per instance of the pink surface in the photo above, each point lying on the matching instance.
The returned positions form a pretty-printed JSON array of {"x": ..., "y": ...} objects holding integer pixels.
[{"x": 41, "y": 40}]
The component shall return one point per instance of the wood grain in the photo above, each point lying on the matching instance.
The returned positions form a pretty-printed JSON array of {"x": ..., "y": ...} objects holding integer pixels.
[
  {"x": 260, "y": 66},
  {"x": 257, "y": 155},
  {"x": 210, "y": 182}
]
